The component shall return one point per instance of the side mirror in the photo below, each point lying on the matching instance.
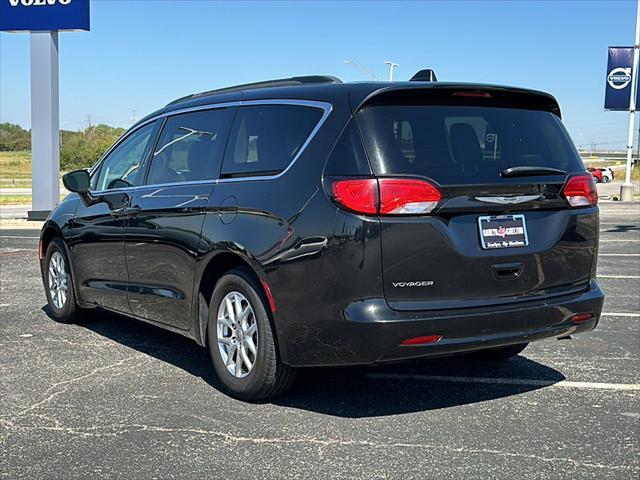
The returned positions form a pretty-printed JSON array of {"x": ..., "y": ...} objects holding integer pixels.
[{"x": 77, "y": 181}]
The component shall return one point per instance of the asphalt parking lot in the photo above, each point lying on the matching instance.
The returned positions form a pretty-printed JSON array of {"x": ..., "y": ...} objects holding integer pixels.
[{"x": 118, "y": 399}]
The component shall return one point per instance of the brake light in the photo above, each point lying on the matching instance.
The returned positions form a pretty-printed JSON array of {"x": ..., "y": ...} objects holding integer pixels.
[
  {"x": 471, "y": 94},
  {"x": 580, "y": 190},
  {"x": 359, "y": 195},
  {"x": 404, "y": 196},
  {"x": 387, "y": 196}
]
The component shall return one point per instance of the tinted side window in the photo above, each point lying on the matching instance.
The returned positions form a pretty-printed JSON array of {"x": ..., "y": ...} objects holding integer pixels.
[
  {"x": 266, "y": 138},
  {"x": 123, "y": 167},
  {"x": 191, "y": 147},
  {"x": 348, "y": 156}
]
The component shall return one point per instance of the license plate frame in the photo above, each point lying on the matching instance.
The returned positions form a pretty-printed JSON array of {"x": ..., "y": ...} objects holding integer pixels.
[{"x": 496, "y": 231}]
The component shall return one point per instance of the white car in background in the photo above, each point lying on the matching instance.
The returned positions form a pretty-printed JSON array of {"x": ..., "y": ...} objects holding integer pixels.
[{"x": 607, "y": 174}]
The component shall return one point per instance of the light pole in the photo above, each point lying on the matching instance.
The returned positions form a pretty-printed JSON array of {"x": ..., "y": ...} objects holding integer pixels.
[
  {"x": 626, "y": 190},
  {"x": 394, "y": 65}
]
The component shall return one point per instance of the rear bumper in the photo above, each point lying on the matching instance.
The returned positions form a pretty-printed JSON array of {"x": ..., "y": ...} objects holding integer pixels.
[{"x": 371, "y": 332}]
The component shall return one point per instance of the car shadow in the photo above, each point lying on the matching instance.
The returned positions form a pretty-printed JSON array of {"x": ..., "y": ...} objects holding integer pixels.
[{"x": 352, "y": 392}]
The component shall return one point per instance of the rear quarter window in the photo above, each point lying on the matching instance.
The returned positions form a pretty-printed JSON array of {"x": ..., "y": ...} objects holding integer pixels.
[
  {"x": 462, "y": 145},
  {"x": 266, "y": 138},
  {"x": 348, "y": 157}
]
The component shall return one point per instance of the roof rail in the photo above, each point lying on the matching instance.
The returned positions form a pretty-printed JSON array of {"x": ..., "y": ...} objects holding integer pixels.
[{"x": 279, "y": 82}]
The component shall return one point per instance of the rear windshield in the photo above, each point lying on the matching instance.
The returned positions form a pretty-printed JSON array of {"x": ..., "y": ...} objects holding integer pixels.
[{"x": 462, "y": 145}]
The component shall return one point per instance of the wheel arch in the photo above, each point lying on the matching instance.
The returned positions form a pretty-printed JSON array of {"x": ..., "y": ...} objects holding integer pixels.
[
  {"x": 49, "y": 231},
  {"x": 217, "y": 265}
]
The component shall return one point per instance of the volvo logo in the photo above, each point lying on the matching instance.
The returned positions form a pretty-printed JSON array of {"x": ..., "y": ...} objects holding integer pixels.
[
  {"x": 29, "y": 3},
  {"x": 619, "y": 78}
]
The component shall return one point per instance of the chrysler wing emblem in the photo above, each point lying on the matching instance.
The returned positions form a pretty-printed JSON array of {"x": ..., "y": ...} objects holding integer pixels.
[{"x": 509, "y": 200}]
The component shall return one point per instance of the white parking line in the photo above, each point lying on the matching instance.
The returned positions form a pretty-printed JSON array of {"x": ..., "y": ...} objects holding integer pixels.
[
  {"x": 618, "y": 276},
  {"x": 17, "y": 236},
  {"x": 607, "y": 314},
  {"x": 619, "y": 240},
  {"x": 14, "y": 250},
  {"x": 619, "y": 254},
  {"x": 507, "y": 381}
]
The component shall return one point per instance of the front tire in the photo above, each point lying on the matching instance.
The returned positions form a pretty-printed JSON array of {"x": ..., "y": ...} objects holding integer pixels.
[
  {"x": 58, "y": 282},
  {"x": 241, "y": 341}
]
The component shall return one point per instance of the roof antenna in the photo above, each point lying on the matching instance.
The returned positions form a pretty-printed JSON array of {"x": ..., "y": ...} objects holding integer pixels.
[{"x": 426, "y": 75}]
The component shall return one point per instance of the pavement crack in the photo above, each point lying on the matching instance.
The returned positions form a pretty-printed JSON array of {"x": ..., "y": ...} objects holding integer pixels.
[
  {"x": 322, "y": 443},
  {"x": 61, "y": 387}
]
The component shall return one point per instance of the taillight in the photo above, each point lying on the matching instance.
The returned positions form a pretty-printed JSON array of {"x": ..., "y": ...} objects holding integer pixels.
[
  {"x": 404, "y": 196},
  {"x": 359, "y": 195},
  {"x": 387, "y": 196},
  {"x": 580, "y": 190}
]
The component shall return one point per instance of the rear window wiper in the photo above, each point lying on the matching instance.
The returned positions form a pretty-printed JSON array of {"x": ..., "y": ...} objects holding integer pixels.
[{"x": 530, "y": 171}]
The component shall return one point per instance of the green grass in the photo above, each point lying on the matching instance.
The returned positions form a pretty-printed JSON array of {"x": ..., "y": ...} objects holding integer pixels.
[
  {"x": 15, "y": 199},
  {"x": 15, "y": 169},
  {"x": 18, "y": 199}
]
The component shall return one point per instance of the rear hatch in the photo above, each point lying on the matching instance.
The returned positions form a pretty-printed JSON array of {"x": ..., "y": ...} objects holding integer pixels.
[{"x": 500, "y": 226}]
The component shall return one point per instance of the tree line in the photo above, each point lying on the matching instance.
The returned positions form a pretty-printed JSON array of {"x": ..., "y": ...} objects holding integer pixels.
[{"x": 77, "y": 150}]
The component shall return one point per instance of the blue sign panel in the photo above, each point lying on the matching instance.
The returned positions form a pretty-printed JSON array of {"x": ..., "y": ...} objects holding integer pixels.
[
  {"x": 16, "y": 15},
  {"x": 618, "y": 85}
]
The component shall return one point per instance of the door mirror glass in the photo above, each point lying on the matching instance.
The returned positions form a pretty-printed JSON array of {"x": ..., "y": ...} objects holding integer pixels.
[{"x": 77, "y": 181}]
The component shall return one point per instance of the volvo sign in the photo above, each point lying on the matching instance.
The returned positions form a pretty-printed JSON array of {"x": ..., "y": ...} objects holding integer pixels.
[
  {"x": 44, "y": 18},
  {"x": 618, "y": 84},
  {"x": 44, "y": 15}
]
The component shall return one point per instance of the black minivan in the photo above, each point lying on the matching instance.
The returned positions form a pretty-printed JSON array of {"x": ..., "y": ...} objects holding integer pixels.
[{"x": 308, "y": 222}]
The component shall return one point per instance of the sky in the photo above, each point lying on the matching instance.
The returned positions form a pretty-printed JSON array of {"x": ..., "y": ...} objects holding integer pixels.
[{"x": 139, "y": 55}]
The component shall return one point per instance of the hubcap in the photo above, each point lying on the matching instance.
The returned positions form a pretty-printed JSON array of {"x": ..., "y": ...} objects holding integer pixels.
[
  {"x": 237, "y": 334},
  {"x": 57, "y": 280}
]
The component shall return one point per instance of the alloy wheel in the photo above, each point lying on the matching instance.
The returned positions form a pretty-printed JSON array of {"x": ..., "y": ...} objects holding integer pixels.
[
  {"x": 237, "y": 329},
  {"x": 58, "y": 280}
]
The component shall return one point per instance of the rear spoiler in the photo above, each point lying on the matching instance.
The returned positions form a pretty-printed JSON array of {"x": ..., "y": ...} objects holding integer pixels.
[{"x": 419, "y": 92}]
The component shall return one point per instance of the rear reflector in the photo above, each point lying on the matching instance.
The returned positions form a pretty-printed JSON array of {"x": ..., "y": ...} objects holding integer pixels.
[
  {"x": 267, "y": 290},
  {"x": 415, "y": 341},
  {"x": 580, "y": 190},
  {"x": 582, "y": 317},
  {"x": 387, "y": 196}
]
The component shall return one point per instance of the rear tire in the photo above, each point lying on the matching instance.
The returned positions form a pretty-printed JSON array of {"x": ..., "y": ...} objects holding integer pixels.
[
  {"x": 58, "y": 283},
  {"x": 241, "y": 341},
  {"x": 499, "y": 353}
]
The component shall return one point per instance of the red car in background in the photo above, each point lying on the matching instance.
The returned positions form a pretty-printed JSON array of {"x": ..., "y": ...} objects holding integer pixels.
[{"x": 597, "y": 174}]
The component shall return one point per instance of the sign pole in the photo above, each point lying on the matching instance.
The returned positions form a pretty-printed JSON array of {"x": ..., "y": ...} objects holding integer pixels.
[
  {"x": 626, "y": 190},
  {"x": 45, "y": 123}
]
